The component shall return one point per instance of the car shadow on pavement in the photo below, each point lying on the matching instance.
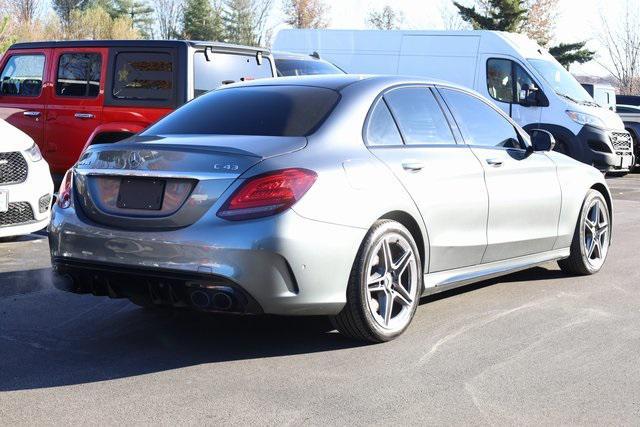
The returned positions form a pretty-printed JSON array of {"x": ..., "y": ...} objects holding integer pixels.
[{"x": 49, "y": 338}]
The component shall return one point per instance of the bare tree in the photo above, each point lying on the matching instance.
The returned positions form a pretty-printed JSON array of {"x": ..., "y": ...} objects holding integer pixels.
[
  {"x": 245, "y": 21},
  {"x": 540, "y": 20},
  {"x": 24, "y": 11},
  {"x": 451, "y": 18},
  {"x": 306, "y": 13},
  {"x": 386, "y": 19},
  {"x": 168, "y": 14},
  {"x": 621, "y": 43}
]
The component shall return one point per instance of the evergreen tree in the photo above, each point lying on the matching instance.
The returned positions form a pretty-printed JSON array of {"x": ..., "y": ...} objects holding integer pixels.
[
  {"x": 500, "y": 15},
  {"x": 238, "y": 22},
  {"x": 568, "y": 53},
  {"x": 200, "y": 21}
]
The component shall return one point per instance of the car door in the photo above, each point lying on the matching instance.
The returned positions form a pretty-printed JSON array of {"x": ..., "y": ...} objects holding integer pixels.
[
  {"x": 410, "y": 132},
  {"x": 22, "y": 91},
  {"x": 524, "y": 191},
  {"x": 75, "y": 107},
  {"x": 505, "y": 80}
]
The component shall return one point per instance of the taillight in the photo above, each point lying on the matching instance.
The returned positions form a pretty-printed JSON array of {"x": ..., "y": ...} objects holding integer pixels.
[
  {"x": 267, "y": 194},
  {"x": 64, "y": 194}
]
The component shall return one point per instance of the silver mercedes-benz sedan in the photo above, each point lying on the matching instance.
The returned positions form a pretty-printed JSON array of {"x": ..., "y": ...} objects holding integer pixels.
[{"x": 347, "y": 196}]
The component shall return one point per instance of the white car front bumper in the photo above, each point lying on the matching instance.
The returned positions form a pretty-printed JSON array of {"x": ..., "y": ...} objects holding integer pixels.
[{"x": 29, "y": 202}]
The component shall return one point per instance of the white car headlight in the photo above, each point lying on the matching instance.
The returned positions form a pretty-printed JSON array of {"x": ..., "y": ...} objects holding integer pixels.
[
  {"x": 34, "y": 153},
  {"x": 586, "y": 119}
]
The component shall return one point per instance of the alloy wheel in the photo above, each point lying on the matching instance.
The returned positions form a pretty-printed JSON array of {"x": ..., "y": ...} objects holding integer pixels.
[
  {"x": 392, "y": 282},
  {"x": 596, "y": 234}
]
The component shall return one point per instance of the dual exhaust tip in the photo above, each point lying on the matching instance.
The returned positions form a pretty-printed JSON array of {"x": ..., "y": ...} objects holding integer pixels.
[{"x": 217, "y": 299}]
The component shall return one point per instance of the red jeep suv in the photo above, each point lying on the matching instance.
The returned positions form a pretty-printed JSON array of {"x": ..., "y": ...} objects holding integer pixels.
[{"x": 70, "y": 94}]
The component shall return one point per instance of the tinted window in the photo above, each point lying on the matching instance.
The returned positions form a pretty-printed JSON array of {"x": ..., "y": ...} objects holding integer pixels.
[
  {"x": 304, "y": 67},
  {"x": 226, "y": 68},
  {"x": 22, "y": 75},
  {"x": 499, "y": 80},
  {"x": 143, "y": 75},
  {"x": 479, "y": 123},
  {"x": 259, "y": 110},
  {"x": 381, "y": 128},
  {"x": 79, "y": 74},
  {"x": 419, "y": 116}
]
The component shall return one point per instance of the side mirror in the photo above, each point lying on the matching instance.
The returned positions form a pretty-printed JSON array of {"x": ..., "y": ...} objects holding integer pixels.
[
  {"x": 529, "y": 96},
  {"x": 541, "y": 140}
]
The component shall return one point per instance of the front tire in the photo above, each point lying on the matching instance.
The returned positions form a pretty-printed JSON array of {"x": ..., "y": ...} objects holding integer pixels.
[
  {"x": 384, "y": 287},
  {"x": 591, "y": 237}
]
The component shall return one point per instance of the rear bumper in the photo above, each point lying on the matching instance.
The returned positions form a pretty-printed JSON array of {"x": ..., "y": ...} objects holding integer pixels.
[{"x": 287, "y": 264}]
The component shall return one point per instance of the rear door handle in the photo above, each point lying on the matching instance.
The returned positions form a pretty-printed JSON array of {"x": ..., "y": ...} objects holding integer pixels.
[
  {"x": 31, "y": 113},
  {"x": 413, "y": 166},
  {"x": 494, "y": 162},
  {"x": 84, "y": 116}
]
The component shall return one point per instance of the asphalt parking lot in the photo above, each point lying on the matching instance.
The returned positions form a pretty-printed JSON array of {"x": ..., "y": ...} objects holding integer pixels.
[{"x": 534, "y": 347}]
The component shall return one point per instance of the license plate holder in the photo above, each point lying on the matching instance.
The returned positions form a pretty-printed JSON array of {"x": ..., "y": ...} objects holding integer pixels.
[
  {"x": 625, "y": 162},
  {"x": 141, "y": 194},
  {"x": 4, "y": 200}
]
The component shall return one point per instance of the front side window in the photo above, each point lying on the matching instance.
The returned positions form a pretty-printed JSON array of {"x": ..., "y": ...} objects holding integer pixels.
[
  {"x": 79, "y": 75},
  {"x": 500, "y": 80},
  {"x": 479, "y": 123},
  {"x": 381, "y": 128},
  {"x": 226, "y": 68},
  {"x": 251, "y": 110},
  {"x": 22, "y": 75},
  {"x": 143, "y": 76},
  {"x": 419, "y": 116},
  {"x": 506, "y": 79}
]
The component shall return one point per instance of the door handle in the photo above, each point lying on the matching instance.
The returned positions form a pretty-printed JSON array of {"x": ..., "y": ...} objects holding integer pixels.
[
  {"x": 84, "y": 116},
  {"x": 413, "y": 166},
  {"x": 494, "y": 162},
  {"x": 31, "y": 113}
]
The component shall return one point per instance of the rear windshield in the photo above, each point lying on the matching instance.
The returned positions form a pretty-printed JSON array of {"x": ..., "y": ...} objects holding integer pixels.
[
  {"x": 226, "y": 68},
  {"x": 303, "y": 67},
  {"x": 257, "y": 110}
]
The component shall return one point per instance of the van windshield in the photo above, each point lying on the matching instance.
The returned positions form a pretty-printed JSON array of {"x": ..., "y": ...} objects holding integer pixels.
[{"x": 563, "y": 83}]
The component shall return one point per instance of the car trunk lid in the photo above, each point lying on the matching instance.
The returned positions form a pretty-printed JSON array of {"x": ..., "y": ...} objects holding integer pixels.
[{"x": 166, "y": 182}]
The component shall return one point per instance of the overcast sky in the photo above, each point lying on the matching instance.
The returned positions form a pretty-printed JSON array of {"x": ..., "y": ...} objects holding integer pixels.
[{"x": 577, "y": 19}]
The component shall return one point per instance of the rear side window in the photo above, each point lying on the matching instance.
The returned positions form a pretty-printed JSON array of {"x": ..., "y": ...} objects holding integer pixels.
[
  {"x": 226, "y": 68},
  {"x": 419, "y": 116},
  {"x": 143, "y": 76},
  {"x": 258, "y": 110},
  {"x": 22, "y": 75},
  {"x": 479, "y": 123},
  {"x": 381, "y": 128},
  {"x": 79, "y": 75}
]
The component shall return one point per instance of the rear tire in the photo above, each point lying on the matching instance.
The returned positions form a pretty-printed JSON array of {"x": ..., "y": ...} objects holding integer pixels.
[
  {"x": 384, "y": 287},
  {"x": 591, "y": 237}
]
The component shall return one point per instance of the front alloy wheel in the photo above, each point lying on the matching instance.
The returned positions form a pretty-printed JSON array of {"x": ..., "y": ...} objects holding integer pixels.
[
  {"x": 591, "y": 238},
  {"x": 384, "y": 287}
]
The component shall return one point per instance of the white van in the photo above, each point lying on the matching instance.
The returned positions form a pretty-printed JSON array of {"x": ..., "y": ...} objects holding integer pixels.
[
  {"x": 604, "y": 95},
  {"x": 26, "y": 187},
  {"x": 510, "y": 69}
]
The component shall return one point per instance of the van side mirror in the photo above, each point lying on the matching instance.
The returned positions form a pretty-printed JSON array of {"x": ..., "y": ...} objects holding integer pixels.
[{"x": 541, "y": 140}]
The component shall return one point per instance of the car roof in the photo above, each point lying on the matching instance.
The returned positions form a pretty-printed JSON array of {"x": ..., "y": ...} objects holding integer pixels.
[
  {"x": 339, "y": 82},
  {"x": 132, "y": 43}
]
